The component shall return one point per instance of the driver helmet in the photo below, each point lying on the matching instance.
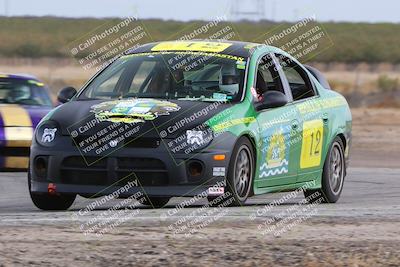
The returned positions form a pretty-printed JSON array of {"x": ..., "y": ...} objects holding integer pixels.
[{"x": 19, "y": 93}]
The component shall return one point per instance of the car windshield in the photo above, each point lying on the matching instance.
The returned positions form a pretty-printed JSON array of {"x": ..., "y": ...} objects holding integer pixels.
[
  {"x": 171, "y": 75},
  {"x": 23, "y": 92}
]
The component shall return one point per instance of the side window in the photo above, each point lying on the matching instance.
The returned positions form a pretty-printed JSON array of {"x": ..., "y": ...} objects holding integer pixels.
[
  {"x": 298, "y": 80},
  {"x": 267, "y": 77}
]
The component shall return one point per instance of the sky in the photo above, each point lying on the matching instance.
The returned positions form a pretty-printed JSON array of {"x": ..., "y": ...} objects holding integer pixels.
[{"x": 278, "y": 10}]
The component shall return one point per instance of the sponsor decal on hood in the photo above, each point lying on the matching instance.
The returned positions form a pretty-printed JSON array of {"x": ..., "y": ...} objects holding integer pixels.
[{"x": 133, "y": 110}]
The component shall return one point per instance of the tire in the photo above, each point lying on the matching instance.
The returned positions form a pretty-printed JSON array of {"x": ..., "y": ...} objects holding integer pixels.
[
  {"x": 155, "y": 202},
  {"x": 50, "y": 202},
  {"x": 240, "y": 174},
  {"x": 332, "y": 176}
]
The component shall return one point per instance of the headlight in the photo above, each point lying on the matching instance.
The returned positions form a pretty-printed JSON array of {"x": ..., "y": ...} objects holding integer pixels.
[
  {"x": 191, "y": 140},
  {"x": 46, "y": 134},
  {"x": 199, "y": 137}
]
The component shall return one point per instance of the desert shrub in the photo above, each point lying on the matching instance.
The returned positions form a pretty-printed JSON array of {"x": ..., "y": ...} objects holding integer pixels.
[
  {"x": 387, "y": 84},
  {"x": 50, "y": 36},
  {"x": 28, "y": 50},
  {"x": 340, "y": 86}
]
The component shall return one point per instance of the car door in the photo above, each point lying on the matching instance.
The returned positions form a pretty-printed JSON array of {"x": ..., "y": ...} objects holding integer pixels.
[
  {"x": 277, "y": 159},
  {"x": 313, "y": 127}
]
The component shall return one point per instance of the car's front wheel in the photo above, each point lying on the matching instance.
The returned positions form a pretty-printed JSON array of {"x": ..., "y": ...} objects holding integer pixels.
[
  {"x": 51, "y": 202},
  {"x": 240, "y": 174},
  {"x": 332, "y": 176}
]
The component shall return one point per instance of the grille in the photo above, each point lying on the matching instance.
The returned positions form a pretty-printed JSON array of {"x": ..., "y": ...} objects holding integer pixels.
[
  {"x": 107, "y": 171},
  {"x": 80, "y": 163},
  {"x": 135, "y": 164},
  {"x": 128, "y": 142},
  {"x": 74, "y": 170},
  {"x": 142, "y": 142}
]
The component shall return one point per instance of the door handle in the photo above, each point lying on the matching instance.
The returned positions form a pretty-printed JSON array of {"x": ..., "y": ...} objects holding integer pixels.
[
  {"x": 325, "y": 117},
  {"x": 295, "y": 124}
]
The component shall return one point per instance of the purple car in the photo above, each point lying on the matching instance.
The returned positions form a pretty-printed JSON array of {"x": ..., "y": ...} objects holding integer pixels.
[{"x": 24, "y": 101}]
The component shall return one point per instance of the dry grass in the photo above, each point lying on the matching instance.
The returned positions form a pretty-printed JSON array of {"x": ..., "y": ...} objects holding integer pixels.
[
  {"x": 56, "y": 73},
  {"x": 358, "y": 84}
]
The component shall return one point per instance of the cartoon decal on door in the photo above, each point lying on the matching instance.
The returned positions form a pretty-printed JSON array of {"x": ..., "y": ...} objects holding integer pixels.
[{"x": 275, "y": 153}]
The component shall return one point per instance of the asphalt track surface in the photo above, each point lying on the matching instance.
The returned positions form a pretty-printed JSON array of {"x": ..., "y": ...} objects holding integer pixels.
[
  {"x": 368, "y": 192},
  {"x": 362, "y": 229}
]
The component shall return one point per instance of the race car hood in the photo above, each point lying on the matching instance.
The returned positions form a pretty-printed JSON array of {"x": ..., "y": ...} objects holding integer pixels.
[{"x": 155, "y": 117}]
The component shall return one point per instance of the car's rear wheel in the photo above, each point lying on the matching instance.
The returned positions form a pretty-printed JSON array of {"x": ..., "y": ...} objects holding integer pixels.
[
  {"x": 240, "y": 174},
  {"x": 45, "y": 201},
  {"x": 332, "y": 176},
  {"x": 155, "y": 202}
]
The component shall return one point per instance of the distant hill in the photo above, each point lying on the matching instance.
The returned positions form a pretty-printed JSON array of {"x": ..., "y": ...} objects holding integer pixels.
[{"x": 49, "y": 36}]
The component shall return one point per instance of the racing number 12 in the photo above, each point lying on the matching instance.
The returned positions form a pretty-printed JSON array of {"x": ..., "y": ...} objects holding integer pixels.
[
  {"x": 314, "y": 150},
  {"x": 313, "y": 132}
]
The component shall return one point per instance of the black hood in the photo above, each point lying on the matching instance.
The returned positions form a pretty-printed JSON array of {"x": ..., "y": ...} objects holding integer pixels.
[{"x": 169, "y": 117}]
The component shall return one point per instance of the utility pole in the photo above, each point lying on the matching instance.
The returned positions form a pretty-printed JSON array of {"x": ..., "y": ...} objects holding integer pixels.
[
  {"x": 255, "y": 9},
  {"x": 273, "y": 10},
  {"x": 6, "y": 8}
]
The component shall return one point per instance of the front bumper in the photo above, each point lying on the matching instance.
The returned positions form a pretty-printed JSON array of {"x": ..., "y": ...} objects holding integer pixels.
[{"x": 155, "y": 170}]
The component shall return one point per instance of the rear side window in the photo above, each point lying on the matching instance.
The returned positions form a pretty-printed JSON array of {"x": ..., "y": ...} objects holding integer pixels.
[{"x": 298, "y": 80}]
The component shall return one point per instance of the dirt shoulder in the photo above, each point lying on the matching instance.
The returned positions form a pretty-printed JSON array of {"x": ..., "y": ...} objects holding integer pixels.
[
  {"x": 376, "y": 138},
  {"x": 339, "y": 242}
]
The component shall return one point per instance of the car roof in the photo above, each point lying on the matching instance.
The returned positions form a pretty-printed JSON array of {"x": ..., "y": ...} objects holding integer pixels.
[
  {"x": 234, "y": 48},
  {"x": 20, "y": 76}
]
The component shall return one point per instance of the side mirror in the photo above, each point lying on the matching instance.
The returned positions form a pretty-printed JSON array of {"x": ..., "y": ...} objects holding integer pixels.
[
  {"x": 66, "y": 94},
  {"x": 272, "y": 99}
]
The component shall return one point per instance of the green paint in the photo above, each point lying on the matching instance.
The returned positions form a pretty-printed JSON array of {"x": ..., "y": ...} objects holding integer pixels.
[{"x": 284, "y": 152}]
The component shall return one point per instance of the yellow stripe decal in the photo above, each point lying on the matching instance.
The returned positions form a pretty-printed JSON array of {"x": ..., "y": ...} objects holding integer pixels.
[
  {"x": 213, "y": 47},
  {"x": 22, "y": 132},
  {"x": 14, "y": 115},
  {"x": 16, "y": 162}
]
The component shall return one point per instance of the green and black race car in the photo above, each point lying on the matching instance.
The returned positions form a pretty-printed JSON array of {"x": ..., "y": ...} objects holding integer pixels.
[{"x": 187, "y": 117}]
